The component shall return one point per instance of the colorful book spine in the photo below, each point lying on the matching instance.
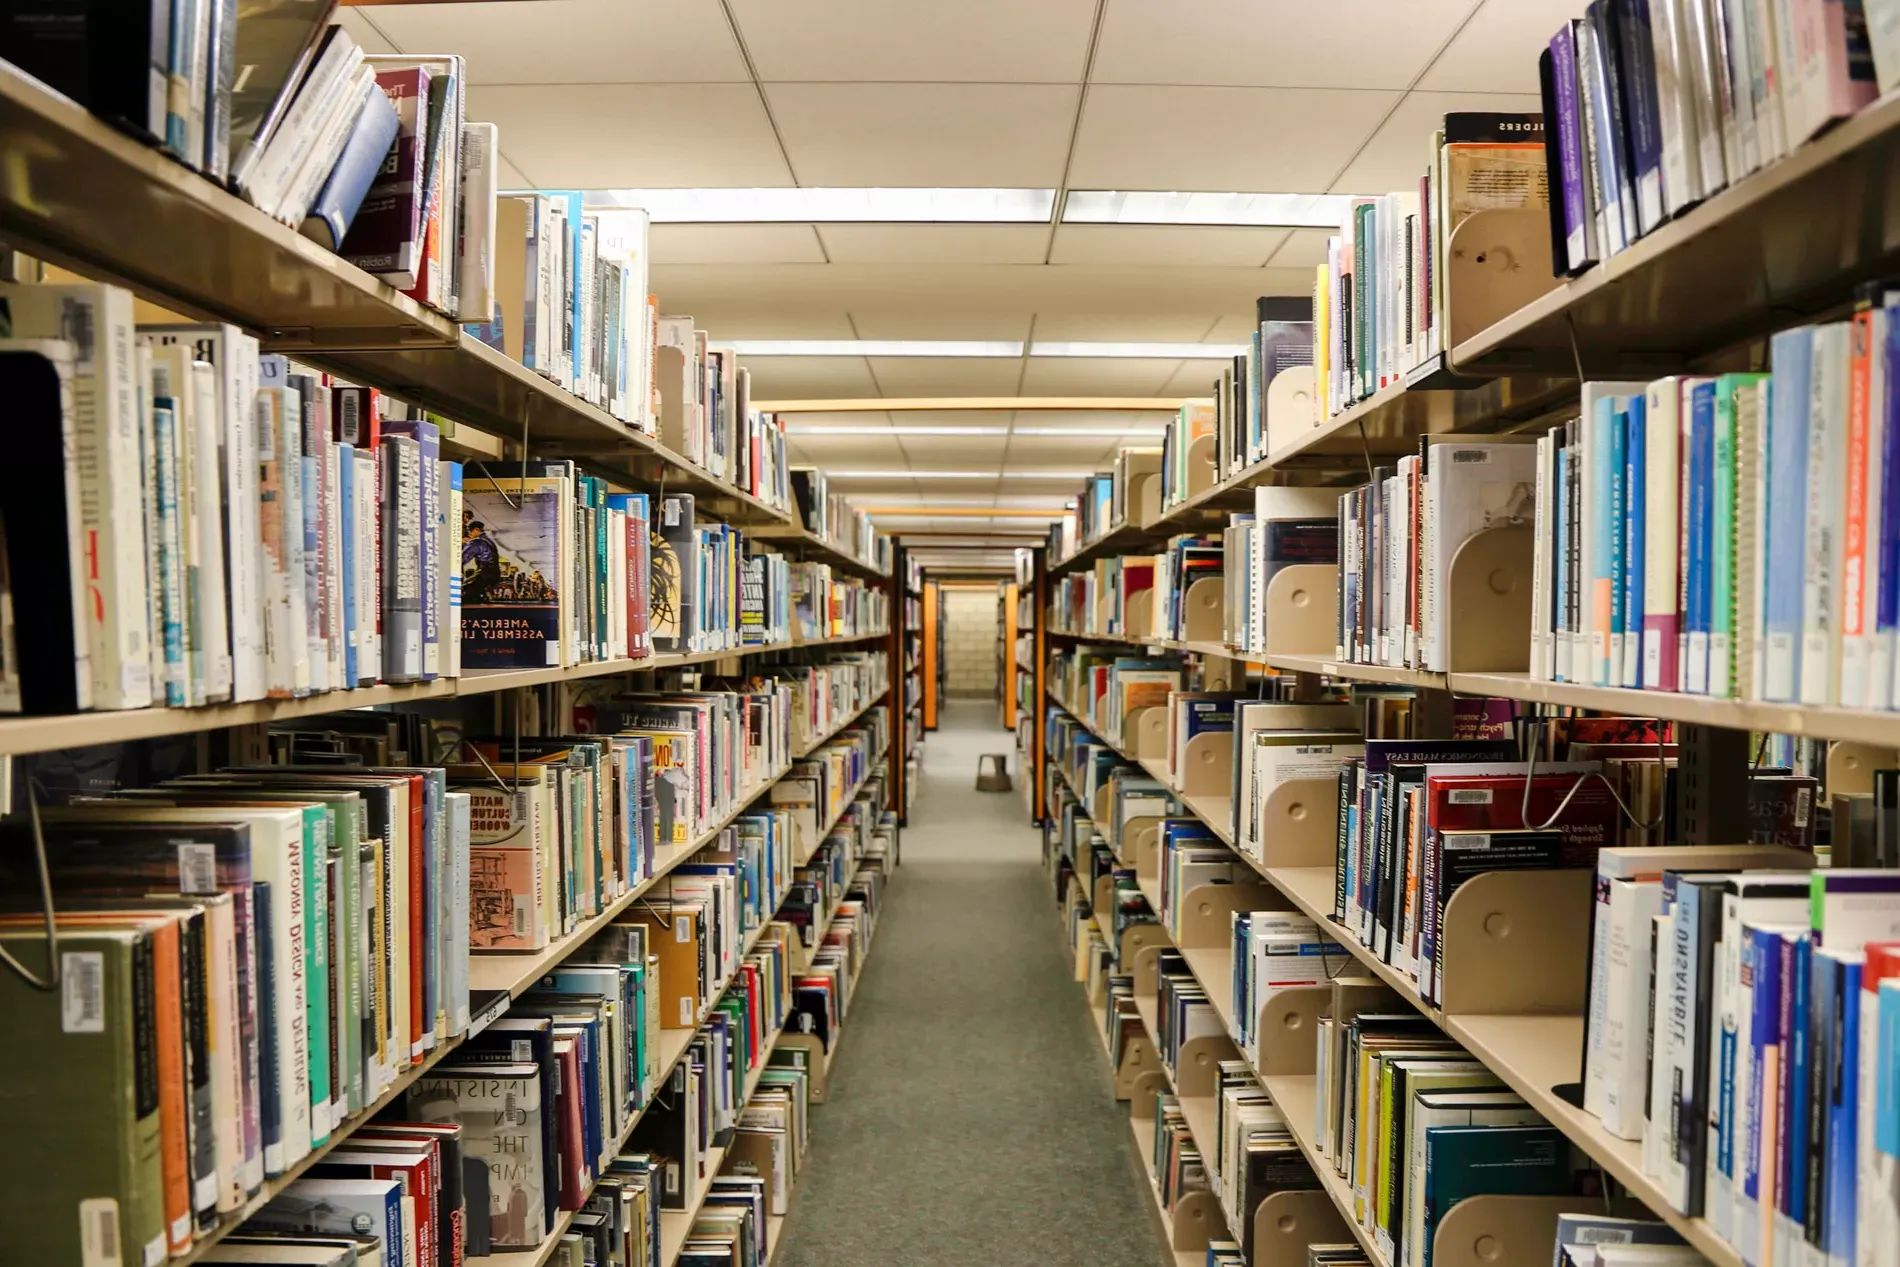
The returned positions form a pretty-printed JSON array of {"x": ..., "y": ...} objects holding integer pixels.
[
  {"x": 1857, "y": 621},
  {"x": 1616, "y": 535},
  {"x": 1791, "y": 354},
  {"x": 1635, "y": 541},
  {"x": 1699, "y": 464}
]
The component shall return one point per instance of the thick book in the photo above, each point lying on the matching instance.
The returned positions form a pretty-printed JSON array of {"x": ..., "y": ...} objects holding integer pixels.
[
  {"x": 47, "y": 660},
  {"x": 113, "y": 59},
  {"x": 386, "y": 236},
  {"x": 513, "y": 562},
  {"x": 512, "y": 1143}
]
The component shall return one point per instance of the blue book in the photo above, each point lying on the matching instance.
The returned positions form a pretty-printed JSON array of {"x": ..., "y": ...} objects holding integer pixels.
[
  {"x": 1617, "y": 442},
  {"x": 1843, "y": 1109},
  {"x": 1792, "y": 1190},
  {"x": 1791, "y": 355},
  {"x": 1887, "y": 1087},
  {"x": 1698, "y": 579},
  {"x": 1763, "y": 951},
  {"x": 428, "y": 437},
  {"x": 1635, "y": 484},
  {"x": 363, "y": 155},
  {"x": 1887, "y": 540},
  {"x": 1606, "y": 537},
  {"x": 346, "y": 510}
]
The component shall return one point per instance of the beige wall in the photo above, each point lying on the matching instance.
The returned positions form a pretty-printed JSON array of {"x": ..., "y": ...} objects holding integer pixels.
[{"x": 970, "y": 634}]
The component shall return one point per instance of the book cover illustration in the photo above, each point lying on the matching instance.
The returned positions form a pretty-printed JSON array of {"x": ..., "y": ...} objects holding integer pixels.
[
  {"x": 499, "y": 1109},
  {"x": 510, "y": 564}
]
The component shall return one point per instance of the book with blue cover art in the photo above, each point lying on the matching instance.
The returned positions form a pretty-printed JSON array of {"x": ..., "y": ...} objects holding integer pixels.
[
  {"x": 1699, "y": 522},
  {"x": 1635, "y": 543},
  {"x": 512, "y": 565},
  {"x": 1791, "y": 355}
]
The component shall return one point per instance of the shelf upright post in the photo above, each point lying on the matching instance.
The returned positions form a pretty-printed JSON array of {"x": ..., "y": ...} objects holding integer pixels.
[
  {"x": 896, "y": 698},
  {"x": 1039, "y": 597}
]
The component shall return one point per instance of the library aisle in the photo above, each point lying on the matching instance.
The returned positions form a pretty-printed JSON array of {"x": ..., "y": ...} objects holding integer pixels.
[{"x": 969, "y": 1119}]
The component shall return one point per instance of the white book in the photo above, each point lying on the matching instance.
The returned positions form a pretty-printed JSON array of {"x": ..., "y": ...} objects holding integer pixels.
[
  {"x": 1681, "y": 184},
  {"x": 1662, "y": 561},
  {"x": 1543, "y": 540},
  {"x": 270, "y": 179},
  {"x": 1883, "y": 36},
  {"x": 341, "y": 112},
  {"x": 1732, "y": 28},
  {"x": 1616, "y": 1071},
  {"x": 1794, "y": 106},
  {"x": 369, "y": 643},
  {"x": 1827, "y": 460},
  {"x": 333, "y": 529},
  {"x": 97, "y": 318},
  {"x": 481, "y": 150},
  {"x": 212, "y": 625},
  {"x": 1659, "y": 1154},
  {"x": 171, "y": 378}
]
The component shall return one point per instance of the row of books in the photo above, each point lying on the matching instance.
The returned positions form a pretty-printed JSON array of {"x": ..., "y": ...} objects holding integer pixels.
[
  {"x": 1379, "y": 300},
  {"x": 1736, "y": 535},
  {"x": 826, "y": 605},
  {"x": 1415, "y": 1124},
  {"x": 832, "y": 518},
  {"x": 282, "y": 991},
  {"x": 1101, "y": 600},
  {"x": 702, "y": 403},
  {"x": 1657, "y": 106},
  {"x": 828, "y": 691},
  {"x": 1764, "y": 1104},
  {"x": 238, "y": 527}
]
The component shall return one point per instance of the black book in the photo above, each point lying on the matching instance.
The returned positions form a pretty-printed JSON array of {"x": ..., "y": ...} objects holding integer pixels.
[
  {"x": 1493, "y": 127},
  {"x": 663, "y": 1132},
  {"x": 39, "y": 554},
  {"x": 1547, "y": 72}
]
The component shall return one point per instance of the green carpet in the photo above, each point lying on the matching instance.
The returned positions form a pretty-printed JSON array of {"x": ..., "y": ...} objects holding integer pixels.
[{"x": 970, "y": 1119}]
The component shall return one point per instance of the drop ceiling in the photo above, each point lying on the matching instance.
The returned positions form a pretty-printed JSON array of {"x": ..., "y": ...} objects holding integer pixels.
[{"x": 1287, "y": 96}]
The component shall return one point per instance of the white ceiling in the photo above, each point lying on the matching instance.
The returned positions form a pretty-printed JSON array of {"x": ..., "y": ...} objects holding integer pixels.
[{"x": 1293, "y": 96}]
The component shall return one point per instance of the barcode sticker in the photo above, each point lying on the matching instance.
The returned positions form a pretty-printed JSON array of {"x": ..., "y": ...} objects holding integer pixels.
[
  {"x": 1803, "y": 799},
  {"x": 522, "y": 922},
  {"x": 82, "y": 992},
  {"x": 197, "y": 868},
  {"x": 682, "y": 928},
  {"x": 520, "y": 1050},
  {"x": 686, "y": 1010},
  {"x": 99, "y": 1232},
  {"x": 1470, "y": 796},
  {"x": 1465, "y": 840},
  {"x": 77, "y": 327}
]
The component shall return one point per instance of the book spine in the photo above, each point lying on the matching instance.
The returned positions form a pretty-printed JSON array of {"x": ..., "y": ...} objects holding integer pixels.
[
  {"x": 1856, "y": 627},
  {"x": 1635, "y": 549},
  {"x": 1699, "y": 521},
  {"x": 1662, "y": 562},
  {"x": 1886, "y": 407},
  {"x": 1791, "y": 354},
  {"x": 1821, "y": 592},
  {"x": 1602, "y": 530},
  {"x": 1722, "y": 542}
]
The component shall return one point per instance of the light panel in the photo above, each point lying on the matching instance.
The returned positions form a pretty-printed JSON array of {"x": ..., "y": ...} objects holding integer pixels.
[
  {"x": 1124, "y": 433},
  {"x": 919, "y": 429},
  {"x": 1269, "y": 211},
  {"x": 1144, "y": 351},
  {"x": 874, "y": 347},
  {"x": 955, "y": 475},
  {"x": 836, "y": 206}
]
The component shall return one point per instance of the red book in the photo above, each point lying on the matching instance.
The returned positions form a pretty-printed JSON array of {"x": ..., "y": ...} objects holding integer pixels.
[
  {"x": 1495, "y": 802},
  {"x": 576, "y": 1174}
]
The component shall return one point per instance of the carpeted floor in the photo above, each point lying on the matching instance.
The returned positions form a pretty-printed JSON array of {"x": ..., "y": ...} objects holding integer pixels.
[{"x": 970, "y": 1119}]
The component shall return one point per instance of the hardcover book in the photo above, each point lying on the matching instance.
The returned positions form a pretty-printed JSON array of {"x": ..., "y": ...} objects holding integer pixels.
[{"x": 513, "y": 561}]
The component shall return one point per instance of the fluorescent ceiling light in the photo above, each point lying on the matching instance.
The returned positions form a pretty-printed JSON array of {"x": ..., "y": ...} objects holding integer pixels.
[
  {"x": 993, "y": 348},
  {"x": 1141, "y": 433},
  {"x": 873, "y": 347},
  {"x": 957, "y": 475},
  {"x": 919, "y": 429},
  {"x": 1280, "y": 211},
  {"x": 836, "y": 206},
  {"x": 1142, "y": 351}
]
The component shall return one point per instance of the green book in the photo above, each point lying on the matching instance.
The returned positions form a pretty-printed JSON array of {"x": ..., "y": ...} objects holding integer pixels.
[
  {"x": 81, "y": 1072},
  {"x": 1469, "y": 1161},
  {"x": 1722, "y": 553}
]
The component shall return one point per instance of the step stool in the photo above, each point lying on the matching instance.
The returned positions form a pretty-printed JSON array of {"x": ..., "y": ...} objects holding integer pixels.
[{"x": 995, "y": 779}]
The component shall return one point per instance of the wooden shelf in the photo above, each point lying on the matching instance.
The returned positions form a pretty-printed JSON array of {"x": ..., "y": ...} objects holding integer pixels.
[
  {"x": 1533, "y": 1054},
  {"x": 1853, "y": 724},
  {"x": 77, "y": 730},
  {"x": 1387, "y": 424},
  {"x": 1346, "y": 670},
  {"x": 825, "y": 551},
  {"x": 1144, "y": 1145},
  {"x": 1298, "y": 1102},
  {"x": 1780, "y": 246}
]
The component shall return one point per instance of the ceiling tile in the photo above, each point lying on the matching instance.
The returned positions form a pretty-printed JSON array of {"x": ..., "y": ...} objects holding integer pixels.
[
  {"x": 858, "y": 134},
  {"x": 780, "y": 320},
  {"x": 735, "y": 244},
  {"x": 1303, "y": 248},
  {"x": 1125, "y": 323},
  {"x": 512, "y": 177},
  {"x": 1090, "y": 376},
  {"x": 1164, "y": 245},
  {"x": 1397, "y": 155},
  {"x": 1190, "y": 381},
  {"x": 946, "y": 375},
  {"x": 582, "y": 137},
  {"x": 1283, "y": 140},
  {"x": 954, "y": 453},
  {"x": 935, "y": 243},
  {"x": 574, "y": 41},
  {"x": 368, "y": 36},
  {"x": 976, "y": 41},
  {"x": 1497, "y": 50},
  {"x": 810, "y": 377},
  {"x": 880, "y": 453},
  {"x": 1092, "y": 419},
  {"x": 1006, "y": 321},
  {"x": 1033, "y": 451},
  {"x": 1273, "y": 43}
]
